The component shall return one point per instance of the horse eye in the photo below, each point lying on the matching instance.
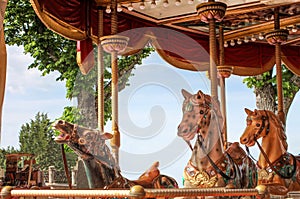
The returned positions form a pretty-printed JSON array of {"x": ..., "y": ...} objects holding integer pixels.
[
  {"x": 258, "y": 125},
  {"x": 201, "y": 112},
  {"x": 189, "y": 107}
]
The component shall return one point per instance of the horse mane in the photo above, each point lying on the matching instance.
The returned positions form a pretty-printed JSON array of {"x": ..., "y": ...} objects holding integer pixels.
[
  {"x": 215, "y": 106},
  {"x": 280, "y": 127}
]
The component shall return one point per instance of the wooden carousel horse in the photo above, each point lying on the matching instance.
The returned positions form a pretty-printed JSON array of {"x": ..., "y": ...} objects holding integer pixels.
[
  {"x": 277, "y": 168},
  {"x": 210, "y": 165},
  {"x": 100, "y": 166}
]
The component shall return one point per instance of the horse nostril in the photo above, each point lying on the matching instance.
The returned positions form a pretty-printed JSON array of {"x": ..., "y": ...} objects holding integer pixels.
[{"x": 244, "y": 140}]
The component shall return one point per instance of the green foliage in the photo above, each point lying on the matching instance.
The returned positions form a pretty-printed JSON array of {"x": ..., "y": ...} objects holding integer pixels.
[
  {"x": 3, "y": 152},
  {"x": 259, "y": 81},
  {"x": 52, "y": 52},
  {"x": 37, "y": 137}
]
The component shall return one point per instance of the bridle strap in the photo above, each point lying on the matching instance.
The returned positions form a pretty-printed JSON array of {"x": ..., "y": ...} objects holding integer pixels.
[
  {"x": 214, "y": 165},
  {"x": 264, "y": 119}
]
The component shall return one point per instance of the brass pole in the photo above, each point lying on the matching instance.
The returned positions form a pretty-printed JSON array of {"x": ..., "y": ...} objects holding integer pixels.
[
  {"x": 213, "y": 58},
  {"x": 100, "y": 73},
  {"x": 281, "y": 114},
  {"x": 222, "y": 85},
  {"x": 115, "y": 141}
]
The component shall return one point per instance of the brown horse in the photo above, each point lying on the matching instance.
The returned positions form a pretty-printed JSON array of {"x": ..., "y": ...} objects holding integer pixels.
[
  {"x": 278, "y": 169},
  {"x": 100, "y": 166},
  {"x": 210, "y": 165}
]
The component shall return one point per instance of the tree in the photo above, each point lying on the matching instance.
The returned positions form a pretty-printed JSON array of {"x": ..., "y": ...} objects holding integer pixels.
[
  {"x": 52, "y": 52},
  {"x": 3, "y": 152},
  {"x": 265, "y": 89},
  {"x": 37, "y": 137}
]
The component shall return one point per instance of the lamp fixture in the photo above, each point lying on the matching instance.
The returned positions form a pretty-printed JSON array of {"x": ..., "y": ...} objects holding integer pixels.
[
  {"x": 232, "y": 43},
  {"x": 119, "y": 8},
  {"x": 165, "y": 3},
  {"x": 153, "y": 4},
  {"x": 225, "y": 44},
  {"x": 294, "y": 28},
  {"x": 108, "y": 9},
  {"x": 130, "y": 7},
  {"x": 261, "y": 36},
  {"x": 177, "y": 2},
  {"x": 142, "y": 5}
]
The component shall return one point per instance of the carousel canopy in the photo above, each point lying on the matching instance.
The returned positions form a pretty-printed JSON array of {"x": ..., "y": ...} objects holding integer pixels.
[{"x": 166, "y": 22}]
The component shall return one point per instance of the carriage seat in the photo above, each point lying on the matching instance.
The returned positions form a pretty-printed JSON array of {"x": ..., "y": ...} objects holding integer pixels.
[{"x": 148, "y": 177}]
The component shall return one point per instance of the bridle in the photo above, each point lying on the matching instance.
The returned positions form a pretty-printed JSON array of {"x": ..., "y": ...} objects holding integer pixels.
[
  {"x": 208, "y": 107},
  {"x": 265, "y": 119}
]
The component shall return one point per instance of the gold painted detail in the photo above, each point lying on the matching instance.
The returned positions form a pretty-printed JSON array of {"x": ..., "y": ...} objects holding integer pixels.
[
  {"x": 114, "y": 43},
  {"x": 211, "y": 10},
  {"x": 265, "y": 176},
  {"x": 199, "y": 178},
  {"x": 277, "y": 36}
]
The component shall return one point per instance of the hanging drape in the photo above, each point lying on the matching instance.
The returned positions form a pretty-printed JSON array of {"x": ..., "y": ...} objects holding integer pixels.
[{"x": 3, "y": 59}]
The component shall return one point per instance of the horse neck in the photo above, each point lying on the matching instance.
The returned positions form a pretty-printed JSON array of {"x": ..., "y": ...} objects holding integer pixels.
[
  {"x": 98, "y": 174},
  {"x": 213, "y": 147},
  {"x": 272, "y": 146}
]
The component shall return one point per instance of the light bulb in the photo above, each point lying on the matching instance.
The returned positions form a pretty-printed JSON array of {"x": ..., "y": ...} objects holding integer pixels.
[
  {"x": 253, "y": 38},
  {"x": 130, "y": 7},
  {"x": 153, "y": 4},
  {"x": 294, "y": 29},
  {"x": 142, "y": 5},
  {"x": 108, "y": 10},
  {"x": 261, "y": 36},
  {"x": 165, "y": 3},
  {"x": 232, "y": 43},
  {"x": 119, "y": 8},
  {"x": 239, "y": 41},
  {"x": 246, "y": 39},
  {"x": 177, "y": 2},
  {"x": 225, "y": 44}
]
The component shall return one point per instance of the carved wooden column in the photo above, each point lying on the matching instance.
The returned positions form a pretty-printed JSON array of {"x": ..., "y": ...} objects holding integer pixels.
[
  {"x": 224, "y": 72},
  {"x": 210, "y": 12},
  {"x": 277, "y": 37},
  {"x": 100, "y": 72},
  {"x": 114, "y": 44}
]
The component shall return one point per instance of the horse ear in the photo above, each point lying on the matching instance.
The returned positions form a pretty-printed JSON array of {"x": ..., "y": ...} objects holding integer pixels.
[
  {"x": 249, "y": 112},
  {"x": 106, "y": 136},
  {"x": 185, "y": 94}
]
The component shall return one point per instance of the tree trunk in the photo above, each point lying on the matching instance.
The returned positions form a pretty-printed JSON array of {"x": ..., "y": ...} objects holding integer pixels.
[
  {"x": 86, "y": 105},
  {"x": 265, "y": 97}
]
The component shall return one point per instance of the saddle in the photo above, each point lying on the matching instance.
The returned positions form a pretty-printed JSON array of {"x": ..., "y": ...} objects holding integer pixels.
[{"x": 148, "y": 178}]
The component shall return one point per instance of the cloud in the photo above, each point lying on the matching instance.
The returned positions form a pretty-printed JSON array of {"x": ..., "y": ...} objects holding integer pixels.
[{"x": 27, "y": 93}]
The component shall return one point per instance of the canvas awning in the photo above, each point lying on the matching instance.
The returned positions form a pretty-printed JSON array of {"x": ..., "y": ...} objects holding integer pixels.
[{"x": 78, "y": 20}]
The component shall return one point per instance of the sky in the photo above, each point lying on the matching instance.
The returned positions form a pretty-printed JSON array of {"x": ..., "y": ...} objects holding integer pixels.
[{"x": 149, "y": 110}]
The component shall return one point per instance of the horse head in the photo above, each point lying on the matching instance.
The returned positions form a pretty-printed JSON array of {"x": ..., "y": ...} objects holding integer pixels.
[
  {"x": 87, "y": 143},
  {"x": 196, "y": 114},
  {"x": 259, "y": 125}
]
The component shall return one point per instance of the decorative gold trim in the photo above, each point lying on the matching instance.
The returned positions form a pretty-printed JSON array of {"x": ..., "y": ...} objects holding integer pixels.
[
  {"x": 211, "y": 10},
  {"x": 277, "y": 36},
  {"x": 114, "y": 43}
]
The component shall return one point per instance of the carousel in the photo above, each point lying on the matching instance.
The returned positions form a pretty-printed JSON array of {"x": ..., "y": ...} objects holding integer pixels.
[{"x": 244, "y": 38}]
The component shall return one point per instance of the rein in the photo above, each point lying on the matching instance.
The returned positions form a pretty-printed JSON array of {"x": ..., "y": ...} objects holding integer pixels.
[{"x": 214, "y": 164}]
